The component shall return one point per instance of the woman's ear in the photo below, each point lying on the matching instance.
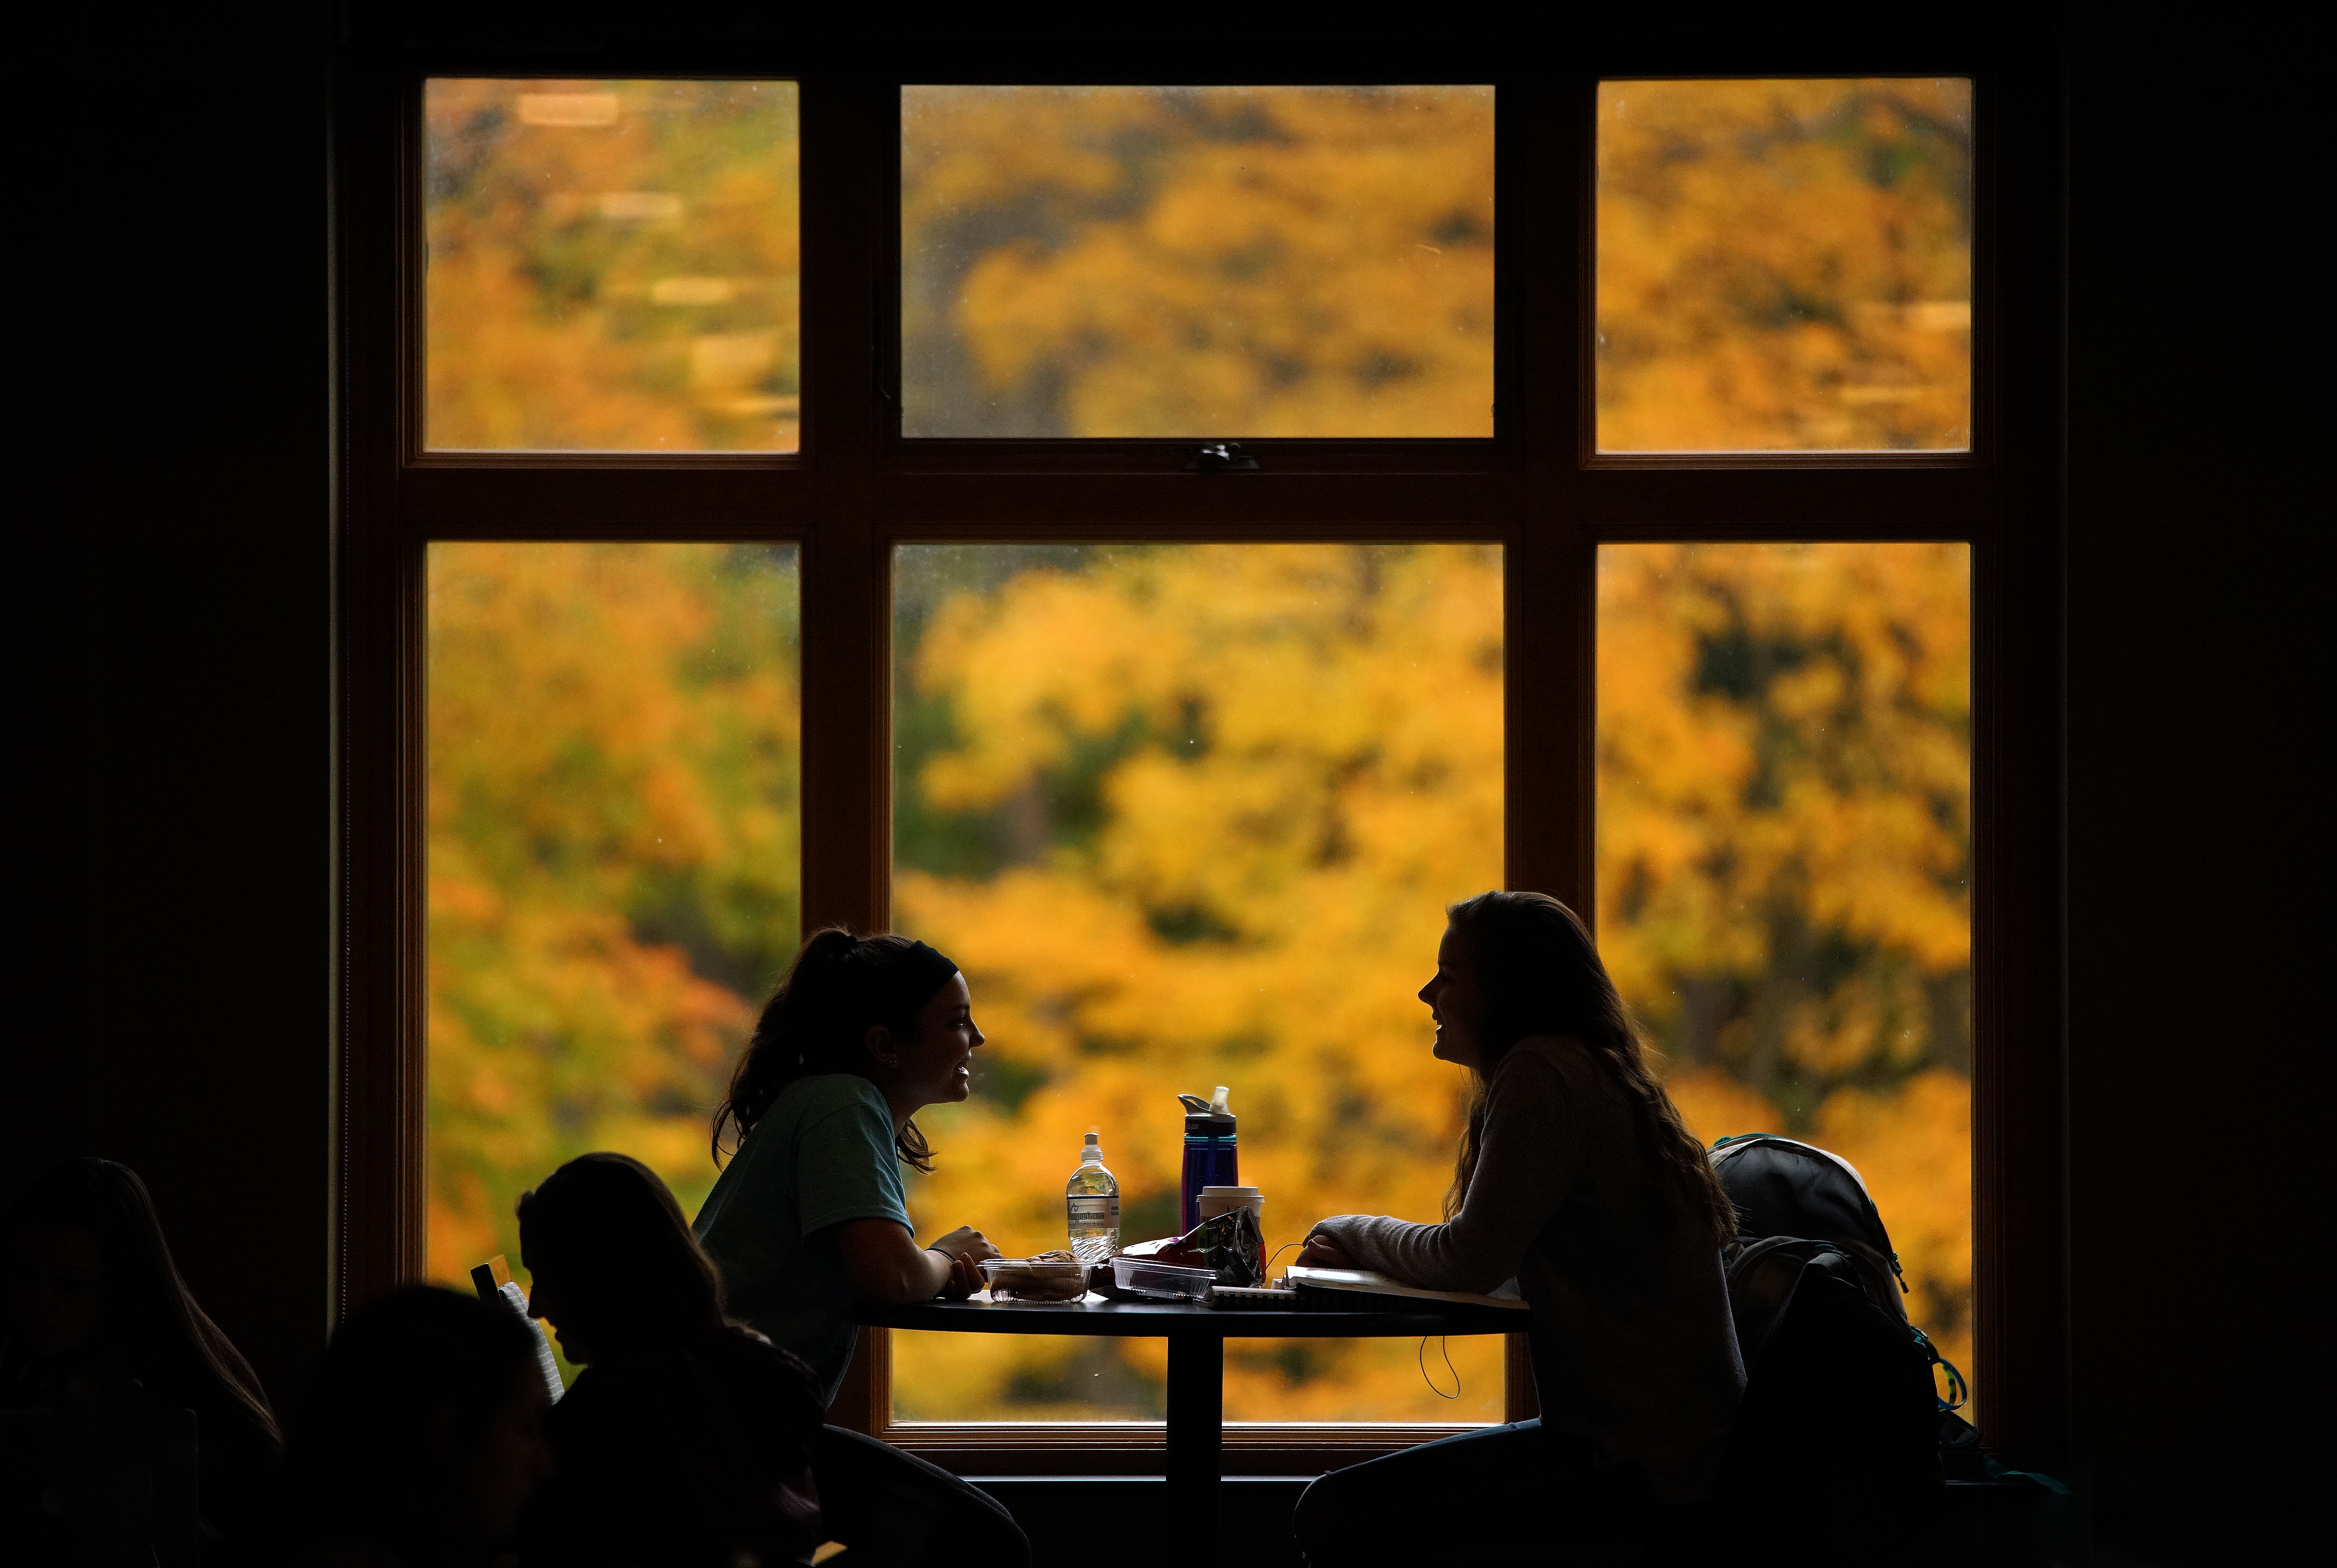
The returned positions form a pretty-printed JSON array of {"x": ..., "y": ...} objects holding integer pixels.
[{"x": 879, "y": 1043}]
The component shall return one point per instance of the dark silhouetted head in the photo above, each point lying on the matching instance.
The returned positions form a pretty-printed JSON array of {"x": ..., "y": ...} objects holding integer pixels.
[
  {"x": 90, "y": 1277},
  {"x": 612, "y": 1261},
  {"x": 423, "y": 1431}
]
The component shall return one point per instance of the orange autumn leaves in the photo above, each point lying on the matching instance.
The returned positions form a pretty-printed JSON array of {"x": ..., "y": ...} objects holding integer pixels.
[{"x": 612, "y": 858}]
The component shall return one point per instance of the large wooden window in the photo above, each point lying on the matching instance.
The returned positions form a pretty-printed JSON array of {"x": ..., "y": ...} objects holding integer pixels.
[{"x": 777, "y": 496}]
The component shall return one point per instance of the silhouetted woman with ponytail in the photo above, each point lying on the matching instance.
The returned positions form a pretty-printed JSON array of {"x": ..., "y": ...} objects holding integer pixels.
[
  {"x": 1577, "y": 1178},
  {"x": 810, "y": 1215}
]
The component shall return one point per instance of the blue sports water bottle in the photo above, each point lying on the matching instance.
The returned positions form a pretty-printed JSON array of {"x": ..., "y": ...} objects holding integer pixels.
[{"x": 1209, "y": 1157}]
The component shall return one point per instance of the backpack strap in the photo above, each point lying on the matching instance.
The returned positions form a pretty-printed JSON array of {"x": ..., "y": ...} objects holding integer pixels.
[{"x": 1959, "y": 1391}]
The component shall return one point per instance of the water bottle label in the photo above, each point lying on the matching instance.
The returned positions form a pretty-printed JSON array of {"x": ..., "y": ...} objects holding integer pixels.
[{"x": 1093, "y": 1213}]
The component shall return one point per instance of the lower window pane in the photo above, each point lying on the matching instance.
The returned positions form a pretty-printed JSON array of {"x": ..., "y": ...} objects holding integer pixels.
[
  {"x": 1785, "y": 861},
  {"x": 1188, "y": 816},
  {"x": 612, "y": 859}
]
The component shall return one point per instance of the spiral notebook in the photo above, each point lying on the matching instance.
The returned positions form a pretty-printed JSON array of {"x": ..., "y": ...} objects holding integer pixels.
[{"x": 1357, "y": 1282}]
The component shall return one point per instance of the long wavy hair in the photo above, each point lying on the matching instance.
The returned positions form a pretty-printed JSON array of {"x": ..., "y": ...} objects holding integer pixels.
[
  {"x": 629, "y": 1270},
  {"x": 840, "y": 987},
  {"x": 167, "y": 1339},
  {"x": 1541, "y": 974}
]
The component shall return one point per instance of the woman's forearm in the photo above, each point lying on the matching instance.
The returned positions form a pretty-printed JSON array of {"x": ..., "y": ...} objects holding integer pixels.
[{"x": 887, "y": 1268}]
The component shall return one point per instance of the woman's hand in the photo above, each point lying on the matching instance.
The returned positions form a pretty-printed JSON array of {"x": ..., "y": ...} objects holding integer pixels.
[
  {"x": 965, "y": 1248},
  {"x": 1322, "y": 1253}
]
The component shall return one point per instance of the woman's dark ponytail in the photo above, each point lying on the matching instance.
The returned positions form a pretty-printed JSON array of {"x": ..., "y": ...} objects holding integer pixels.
[{"x": 839, "y": 987}]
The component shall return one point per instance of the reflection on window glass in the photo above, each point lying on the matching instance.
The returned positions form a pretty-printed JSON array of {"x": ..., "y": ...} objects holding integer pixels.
[
  {"x": 1188, "y": 816},
  {"x": 1784, "y": 266},
  {"x": 1201, "y": 262},
  {"x": 612, "y": 859},
  {"x": 612, "y": 266},
  {"x": 1784, "y": 860}
]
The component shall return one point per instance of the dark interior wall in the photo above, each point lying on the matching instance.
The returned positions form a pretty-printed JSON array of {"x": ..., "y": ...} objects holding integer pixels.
[
  {"x": 187, "y": 982},
  {"x": 2190, "y": 698},
  {"x": 197, "y": 1043}
]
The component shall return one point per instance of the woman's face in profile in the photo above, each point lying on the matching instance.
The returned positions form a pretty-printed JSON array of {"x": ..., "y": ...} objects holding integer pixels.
[
  {"x": 56, "y": 1287},
  {"x": 937, "y": 1066},
  {"x": 1456, "y": 1004}
]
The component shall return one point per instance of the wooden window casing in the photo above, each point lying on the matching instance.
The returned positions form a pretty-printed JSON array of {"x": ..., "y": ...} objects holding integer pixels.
[{"x": 1536, "y": 487}]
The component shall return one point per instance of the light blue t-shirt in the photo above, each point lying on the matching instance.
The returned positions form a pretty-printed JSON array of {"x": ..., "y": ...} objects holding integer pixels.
[{"x": 821, "y": 1155}]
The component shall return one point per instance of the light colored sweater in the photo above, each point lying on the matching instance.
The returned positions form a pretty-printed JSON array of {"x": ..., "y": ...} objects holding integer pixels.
[{"x": 1633, "y": 1346}]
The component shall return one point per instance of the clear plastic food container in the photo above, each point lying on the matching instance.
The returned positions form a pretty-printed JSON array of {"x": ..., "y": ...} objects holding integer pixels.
[
  {"x": 1034, "y": 1278},
  {"x": 1166, "y": 1281}
]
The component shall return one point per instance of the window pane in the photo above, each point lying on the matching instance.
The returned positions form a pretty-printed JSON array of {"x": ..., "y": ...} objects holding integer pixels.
[
  {"x": 1784, "y": 860},
  {"x": 1188, "y": 816},
  {"x": 612, "y": 859},
  {"x": 1196, "y": 261},
  {"x": 612, "y": 266},
  {"x": 1784, "y": 266}
]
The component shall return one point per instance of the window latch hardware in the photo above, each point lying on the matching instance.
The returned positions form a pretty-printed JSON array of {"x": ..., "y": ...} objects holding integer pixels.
[{"x": 1220, "y": 457}]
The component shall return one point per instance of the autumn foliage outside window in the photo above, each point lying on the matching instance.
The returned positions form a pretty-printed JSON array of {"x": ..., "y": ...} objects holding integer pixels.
[
  {"x": 1784, "y": 265},
  {"x": 611, "y": 265},
  {"x": 1784, "y": 860},
  {"x": 1248, "y": 261},
  {"x": 1189, "y": 814}
]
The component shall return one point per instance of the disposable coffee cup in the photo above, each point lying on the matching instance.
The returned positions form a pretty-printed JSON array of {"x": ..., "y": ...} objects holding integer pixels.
[{"x": 1216, "y": 1200}]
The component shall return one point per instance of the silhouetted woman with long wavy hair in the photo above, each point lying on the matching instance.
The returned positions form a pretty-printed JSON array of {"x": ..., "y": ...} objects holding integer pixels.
[
  {"x": 1577, "y": 1178},
  {"x": 686, "y": 1440}
]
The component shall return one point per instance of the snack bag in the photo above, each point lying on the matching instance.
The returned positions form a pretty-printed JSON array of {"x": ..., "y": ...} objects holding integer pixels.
[{"x": 1228, "y": 1245}]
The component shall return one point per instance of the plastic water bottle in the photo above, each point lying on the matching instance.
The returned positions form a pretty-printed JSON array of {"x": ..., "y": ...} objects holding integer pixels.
[{"x": 1092, "y": 1197}]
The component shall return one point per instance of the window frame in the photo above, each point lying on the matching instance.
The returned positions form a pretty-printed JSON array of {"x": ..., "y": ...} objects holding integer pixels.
[{"x": 1537, "y": 487}]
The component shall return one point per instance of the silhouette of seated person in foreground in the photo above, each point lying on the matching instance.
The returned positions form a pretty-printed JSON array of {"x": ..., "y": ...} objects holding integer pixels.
[
  {"x": 104, "y": 1347},
  {"x": 421, "y": 1439},
  {"x": 685, "y": 1440}
]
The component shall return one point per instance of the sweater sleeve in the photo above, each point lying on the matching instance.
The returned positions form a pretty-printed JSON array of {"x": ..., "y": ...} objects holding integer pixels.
[{"x": 1527, "y": 1164}]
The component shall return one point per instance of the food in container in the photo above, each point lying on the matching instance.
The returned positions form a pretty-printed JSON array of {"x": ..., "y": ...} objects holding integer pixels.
[
  {"x": 1161, "y": 1281},
  {"x": 1048, "y": 1276}
]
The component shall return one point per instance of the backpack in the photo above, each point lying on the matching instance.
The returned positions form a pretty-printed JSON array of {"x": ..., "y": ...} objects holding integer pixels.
[{"x": 1841, "y": 1415}]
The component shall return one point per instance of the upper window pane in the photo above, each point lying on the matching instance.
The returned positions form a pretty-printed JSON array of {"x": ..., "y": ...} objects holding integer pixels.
[
  {"x": 1784, "y": 266},
  {"x": 1196, "y": 261},
  {"x": 612, "y": 266}
]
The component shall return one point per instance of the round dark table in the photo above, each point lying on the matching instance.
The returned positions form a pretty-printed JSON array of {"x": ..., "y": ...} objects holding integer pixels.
[{"x": 1197, "y": 1336}]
